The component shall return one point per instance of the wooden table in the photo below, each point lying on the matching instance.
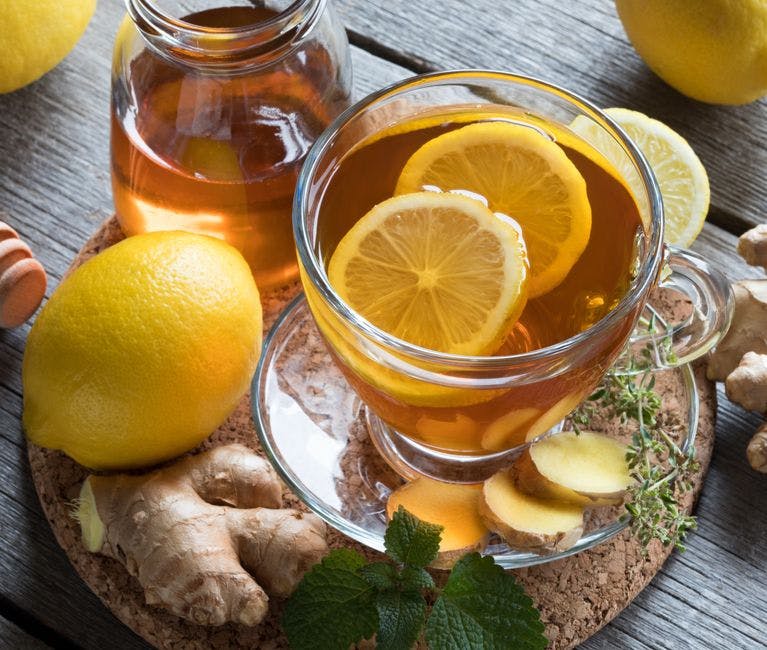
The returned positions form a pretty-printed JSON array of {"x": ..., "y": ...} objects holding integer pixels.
[{"x": 54, "y": 188}]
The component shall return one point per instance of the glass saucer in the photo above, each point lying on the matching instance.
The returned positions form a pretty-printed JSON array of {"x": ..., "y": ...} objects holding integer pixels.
[{"x": 314, "y": 429}]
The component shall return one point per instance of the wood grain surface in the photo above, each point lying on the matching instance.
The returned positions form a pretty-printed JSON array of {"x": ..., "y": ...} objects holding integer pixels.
[
  {"x": 54, "y": 189},
  {"x": 12, "y": 636},
  {"x": 581, "y": 46}
]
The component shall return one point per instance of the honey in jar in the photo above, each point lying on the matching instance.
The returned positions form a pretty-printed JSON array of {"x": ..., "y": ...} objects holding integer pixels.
[{"x": 212, "y": 115}]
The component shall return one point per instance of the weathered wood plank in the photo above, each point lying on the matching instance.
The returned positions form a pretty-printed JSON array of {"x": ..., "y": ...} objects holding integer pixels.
[
  {"x": 54, "y": 144},
  {"x": 581, "y": 47},
  {"x": 37, "y": 577},
  {"x": 13, "y": 637},
  {"x": 54, "y": 186},
  {"x": 612, "y": 637}
]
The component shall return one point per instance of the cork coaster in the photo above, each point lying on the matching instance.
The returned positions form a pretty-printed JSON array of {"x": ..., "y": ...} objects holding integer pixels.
[{"x": 576, "y": 595}]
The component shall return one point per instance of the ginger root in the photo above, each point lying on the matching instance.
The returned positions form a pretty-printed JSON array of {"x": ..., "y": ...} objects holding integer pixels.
[
  {"x": 757, "y": 450},
  {"x": 747, "y": 384},
  {"x": 586, "y": 469},
  {"x": 205, "y": 537},
  {"x": 752, "y": 246},
  {"x": 740, "y": 358},
  {"x": 453, "y": 506},
  {"x": 526, "y": 522},
  {"x": 748, "y": 332}
]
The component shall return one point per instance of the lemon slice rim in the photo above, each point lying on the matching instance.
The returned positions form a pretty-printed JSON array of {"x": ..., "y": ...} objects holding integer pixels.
[
  {"x": 626, "y": 119},
  {"x": 515, "y": 264},
  {"x": 683, "y": 151}
]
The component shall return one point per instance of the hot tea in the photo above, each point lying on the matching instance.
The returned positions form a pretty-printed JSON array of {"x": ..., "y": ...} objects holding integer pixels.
[{"x": 580, "y": 258}]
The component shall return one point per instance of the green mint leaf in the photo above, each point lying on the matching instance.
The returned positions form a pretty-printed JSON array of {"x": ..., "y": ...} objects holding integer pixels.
[
  {"x": 343, "y": 558},
  {"x": 401, "y": 615},
  {"x": 380, "y": 575},
  {"x": 413, "y": 578},
  {"x": 332, "y": 607},
  {"x": 411, "y": 541},
  {"x": 483, "y": 607}
]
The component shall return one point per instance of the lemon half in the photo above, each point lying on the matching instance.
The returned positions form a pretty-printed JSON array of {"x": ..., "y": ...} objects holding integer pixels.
[{"x": 681, "y": 176}]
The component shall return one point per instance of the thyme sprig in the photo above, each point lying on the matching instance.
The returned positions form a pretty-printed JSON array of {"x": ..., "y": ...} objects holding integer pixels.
[{"x": 661, "y": 468}]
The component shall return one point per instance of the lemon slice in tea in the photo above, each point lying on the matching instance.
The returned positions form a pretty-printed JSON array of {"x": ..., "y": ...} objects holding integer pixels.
[
  {"x": 521, "y": 173},
  {"x": 439, "y": 270},
  {"x": 681, "y": 176}
]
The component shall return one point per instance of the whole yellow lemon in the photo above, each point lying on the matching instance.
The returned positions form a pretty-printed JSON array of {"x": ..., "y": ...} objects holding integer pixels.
[
  {"x": 35, "y": 35},
  {"x": 143, "y": 351},
  {"x": 711, "y": 50}
]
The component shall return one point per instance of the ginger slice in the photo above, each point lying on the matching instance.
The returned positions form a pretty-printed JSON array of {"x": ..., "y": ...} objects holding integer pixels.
[
  {"x": 526, "y": 522},
  {"x": 205, "y": 537},
  {"x": 529, "y": 480},
  {"x": 509, "y": 430},
  {"x": 555, "y": 414},
  {"x": 453, "y": 506},
  {"x": 459, "y": 433},
  {"x": 573, "y": 467}
]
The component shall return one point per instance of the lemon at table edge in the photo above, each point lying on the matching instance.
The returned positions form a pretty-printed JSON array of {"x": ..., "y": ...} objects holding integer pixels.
[
  {"x": 713, "y": 51},
  {"x": 673, "y": 161}
]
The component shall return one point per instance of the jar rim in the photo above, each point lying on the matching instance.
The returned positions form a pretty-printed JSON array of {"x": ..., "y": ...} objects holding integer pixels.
[{"x": 204, "y": 46}]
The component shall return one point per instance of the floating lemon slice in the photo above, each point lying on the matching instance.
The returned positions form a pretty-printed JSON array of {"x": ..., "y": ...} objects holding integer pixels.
[
  {"x": 439, "y": 270},
  {"x": 521, "y": 173},
  {"x": 681, "y": 176}
]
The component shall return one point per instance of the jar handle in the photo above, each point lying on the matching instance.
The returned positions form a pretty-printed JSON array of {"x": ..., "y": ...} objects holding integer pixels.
[{"x": 712, "y": 301}]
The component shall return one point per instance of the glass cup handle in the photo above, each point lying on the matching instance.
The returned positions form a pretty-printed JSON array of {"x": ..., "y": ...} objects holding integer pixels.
[{"x": 712, "y": 301}]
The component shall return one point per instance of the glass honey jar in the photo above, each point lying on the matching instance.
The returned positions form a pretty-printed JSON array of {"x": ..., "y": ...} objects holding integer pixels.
[{"x": 214, "y": 106}]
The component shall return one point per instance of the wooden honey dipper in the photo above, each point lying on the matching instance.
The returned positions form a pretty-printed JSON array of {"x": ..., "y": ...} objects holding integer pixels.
[{"x": 22, "y": 279}]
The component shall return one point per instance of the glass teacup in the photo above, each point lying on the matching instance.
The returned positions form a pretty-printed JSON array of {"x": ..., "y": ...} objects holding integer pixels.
[{"x": 458, "y": 417}]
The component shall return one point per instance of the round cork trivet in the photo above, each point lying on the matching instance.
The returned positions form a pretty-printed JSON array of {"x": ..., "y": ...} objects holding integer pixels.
[{"x": 576, "y": 596}]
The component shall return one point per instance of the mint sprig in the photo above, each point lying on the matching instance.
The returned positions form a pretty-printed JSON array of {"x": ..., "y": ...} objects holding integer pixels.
[
  {"x": 410, "y": 541},
  {"x": 343, "y": 599},
  {"x": 333, "y": 606},
  {"x": 482, "y": 606},
  {"x": 401, "y": 614}
]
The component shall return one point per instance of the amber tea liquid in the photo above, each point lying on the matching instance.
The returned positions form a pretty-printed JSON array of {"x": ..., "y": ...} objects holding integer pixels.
[
  {"x": 218, "y": 154},
  {"x": 595, "y": 285}
]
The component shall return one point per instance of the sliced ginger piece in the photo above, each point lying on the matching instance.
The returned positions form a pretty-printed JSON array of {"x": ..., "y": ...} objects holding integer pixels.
[
  {"x": 529, "y": 480},
  {"x": 567, "y": 466},
  {"x": 453, "y": 506},
  {"x": 555, "y": 414},
  {"x": 509, "y": 430},
  {"x": 459, "y": 433},
  {"x": 526, "y": 522}
]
